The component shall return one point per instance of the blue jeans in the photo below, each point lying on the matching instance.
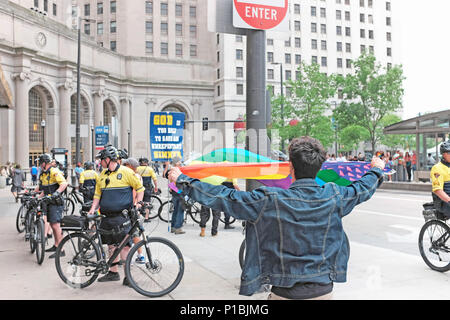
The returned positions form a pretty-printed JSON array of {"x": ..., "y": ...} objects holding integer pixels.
[{"x": 178, "y": 212}]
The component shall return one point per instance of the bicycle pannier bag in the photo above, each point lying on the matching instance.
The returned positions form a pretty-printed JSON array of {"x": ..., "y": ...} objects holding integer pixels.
[{"x": 74, "y": 223}]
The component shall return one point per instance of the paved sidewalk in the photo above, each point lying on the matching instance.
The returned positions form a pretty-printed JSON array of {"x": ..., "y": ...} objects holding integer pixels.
[{"x": 212, "y": 270}]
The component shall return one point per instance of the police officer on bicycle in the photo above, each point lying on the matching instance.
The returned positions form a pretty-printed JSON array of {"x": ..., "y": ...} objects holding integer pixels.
[
  {"x": 440, "y": 178},
  {"x": 114, "y": 194},
  {"x": 52, "y": 182}
]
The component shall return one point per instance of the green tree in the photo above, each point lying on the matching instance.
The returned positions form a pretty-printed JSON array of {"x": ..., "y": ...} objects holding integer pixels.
[
  {"x": 307, "y": 103},
  {"x": 370, "y": 93},
  {"x": 351, "y": 136}
]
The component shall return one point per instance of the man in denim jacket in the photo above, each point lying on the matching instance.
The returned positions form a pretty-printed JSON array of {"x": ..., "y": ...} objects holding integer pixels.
[{"x": 295, "y": 240}]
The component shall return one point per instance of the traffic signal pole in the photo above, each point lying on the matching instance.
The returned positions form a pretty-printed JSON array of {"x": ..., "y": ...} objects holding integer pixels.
[{"x": 257, "y": 139}]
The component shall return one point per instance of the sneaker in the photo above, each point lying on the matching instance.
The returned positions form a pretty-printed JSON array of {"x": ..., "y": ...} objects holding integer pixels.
[
  {"x": 179, "y": 231},
  {"x": 140, "y": 259},
  {"x": 214, "y": 234},
  {"x": 228, "y": 226},
  {"x": 110, "y": 276},
  {"x": 52, "y": 249},
  {"x": 126, "y": 282},
  {"x": 62, "y": 254}
]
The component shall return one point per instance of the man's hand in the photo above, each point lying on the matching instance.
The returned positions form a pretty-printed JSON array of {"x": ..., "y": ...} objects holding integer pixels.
[
  {"x": 174, "y": 173},
  {"x": 377, "y": 162}
]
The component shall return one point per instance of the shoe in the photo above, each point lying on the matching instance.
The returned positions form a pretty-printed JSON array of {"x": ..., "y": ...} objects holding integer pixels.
[
  {"x": 172, "y": 230},
  {"x": 202, "y": 232},
  {"x": 62, "y": 254},
  {"x": 140, "y": 259},
  {"x": 126, "y": 282},
  {"x": 214, "y": 234},
  {"x": 110, "y": 276},
  {"x": 228, "y": 226},
  {"x": 52, "y": 249},
  {"x": 179, "y": 231}
]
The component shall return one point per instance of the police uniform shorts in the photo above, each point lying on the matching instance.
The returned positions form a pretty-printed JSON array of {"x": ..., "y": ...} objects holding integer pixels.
[
  {"x": 54, "y": 213},
  {"x": 16, "y": 189},
  {"x": 147, "y": 193},
  {"x": 116, "y": 224}
]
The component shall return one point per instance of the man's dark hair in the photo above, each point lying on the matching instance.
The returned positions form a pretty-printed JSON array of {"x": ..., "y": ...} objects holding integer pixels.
[{"x": 307, "y": 156}]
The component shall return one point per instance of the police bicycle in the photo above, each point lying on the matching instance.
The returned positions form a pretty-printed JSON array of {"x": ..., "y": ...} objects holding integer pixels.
[
  {"x": 434, "y": 239},
  {"x": 35, "y": 226},
  {"x": 80, "y": 257}
]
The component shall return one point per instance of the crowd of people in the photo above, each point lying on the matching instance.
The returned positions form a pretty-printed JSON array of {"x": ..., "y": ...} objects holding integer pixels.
[{"x": 402, "y": 163}]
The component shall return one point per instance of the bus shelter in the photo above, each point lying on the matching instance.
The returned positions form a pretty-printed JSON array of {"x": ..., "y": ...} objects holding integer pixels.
[{"x": 430, "y": 130}]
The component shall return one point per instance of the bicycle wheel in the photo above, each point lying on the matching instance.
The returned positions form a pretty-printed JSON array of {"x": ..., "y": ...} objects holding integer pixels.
[
  {"x": 195, "y": 212},
  {"x": 434, "y": 245},
  {"x": 155, "y": 203},
  {"x": 69, "y": 206},
  {"x": 33, "y": 232},
  {"x": 164, "y": 213},
  {"x": 242, "y": 254},
  {"x": 162, "y": 270},
  {"x": 20, "y": 219},
  {"x": 77, "y": 260},
  {"x": 232, "y": 219},
  {"x": 40, "y": 240}
]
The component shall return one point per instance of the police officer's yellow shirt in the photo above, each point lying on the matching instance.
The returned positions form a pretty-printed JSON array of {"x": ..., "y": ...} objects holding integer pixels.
[
  {"x": 88, "y": 178},
  {"x": 440, "y": 177},
  {"x": 115, "y": 189},
  {"x": 50, "y": 180},
  {"x": 147, "y": 173}
]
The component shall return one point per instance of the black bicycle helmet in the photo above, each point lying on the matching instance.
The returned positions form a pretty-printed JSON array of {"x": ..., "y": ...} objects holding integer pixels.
[
  {"x": 143, "y": 160},
  {"x": 123, "y": 153},
  {"x": 45, "y": 158},
  {"x": 88, "y": 165},
  {"x": 108, "y": 152},
  {"x": 445, "y": 147}
]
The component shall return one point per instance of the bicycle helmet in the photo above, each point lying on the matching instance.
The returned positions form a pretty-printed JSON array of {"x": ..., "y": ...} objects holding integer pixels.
[
  {"x": 108, "y": 152},
  {"x": 88, "y": 165},
  {"x": 45, "y": 158},
  {"x": 123, "y": 153},
  {"x": 143, "y": 161},
  {"x": 445, "y": 147}
]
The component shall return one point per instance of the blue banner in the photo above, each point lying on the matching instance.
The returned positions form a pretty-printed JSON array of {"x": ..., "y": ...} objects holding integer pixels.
[
  {"x": 166, "y": 135},
  {"x": 101, "y": 137}
]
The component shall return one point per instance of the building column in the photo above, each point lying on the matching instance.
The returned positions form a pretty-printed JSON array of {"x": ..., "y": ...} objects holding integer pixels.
[
  {"x": 98, "y": 107},
  {"x": 125, "y": 103},
  {"x": 64, "y": 117},
  {"x": 22, "y": 135}
]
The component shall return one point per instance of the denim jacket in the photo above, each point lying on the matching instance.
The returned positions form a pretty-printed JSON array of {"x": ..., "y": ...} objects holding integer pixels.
[{"x": 294, "y": 235}]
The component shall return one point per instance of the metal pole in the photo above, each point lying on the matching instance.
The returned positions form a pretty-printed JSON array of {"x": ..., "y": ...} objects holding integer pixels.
[
  {"x": 256, "y": 140},
  {"x": 92, "y": 144},
  {"x": 282, "y": 103},
  {"x": 77, "y": 128}
]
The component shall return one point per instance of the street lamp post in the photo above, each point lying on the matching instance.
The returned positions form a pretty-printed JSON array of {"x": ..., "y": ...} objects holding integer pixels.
[
  {"x": 282, "y": 99},
  {"x": 92, "y": 143},
  {"x": 43, "y": 136},
  {"x": 335, "y": 125},
  {"x": 78, "y": 112}
]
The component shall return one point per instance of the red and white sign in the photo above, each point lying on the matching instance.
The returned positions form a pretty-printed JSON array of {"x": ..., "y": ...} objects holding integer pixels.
[{"x": 261, "y": 14}]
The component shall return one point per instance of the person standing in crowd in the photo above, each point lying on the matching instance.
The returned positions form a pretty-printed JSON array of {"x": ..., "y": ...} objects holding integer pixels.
[
  {"x": 205, "y": 213},
  {"x": 78, "y": 171},
  {"x": 34, "y": 173},
  {"x": 18, "y": 181},
  {"x": 408, "y": 164},
  {"x": 177, "y": 200},
  {"x": 295, "y": 239},
  {"x": 232, "y": 184}
]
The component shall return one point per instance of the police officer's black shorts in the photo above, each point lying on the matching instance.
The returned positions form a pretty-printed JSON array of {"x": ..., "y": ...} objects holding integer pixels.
[
  {"x": 54, "y": 213},
  {"x": 147, "y": 193},
  {"x": 115, "y": 223}
]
